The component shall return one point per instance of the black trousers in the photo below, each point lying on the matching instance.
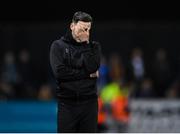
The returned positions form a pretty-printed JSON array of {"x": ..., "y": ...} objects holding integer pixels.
[{"x": 77, "y": 116}]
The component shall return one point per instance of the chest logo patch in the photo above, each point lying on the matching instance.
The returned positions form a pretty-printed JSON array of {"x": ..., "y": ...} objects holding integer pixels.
[{"x": 67, "y": 50}]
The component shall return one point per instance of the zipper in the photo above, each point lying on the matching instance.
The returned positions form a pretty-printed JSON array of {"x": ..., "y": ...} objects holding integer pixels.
[
  {"x": 69, "y": 56},
  {"x": 77, "y": 98}
]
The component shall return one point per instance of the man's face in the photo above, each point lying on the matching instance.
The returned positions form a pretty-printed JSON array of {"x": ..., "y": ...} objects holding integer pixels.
[{"x": 81, "y": 31}]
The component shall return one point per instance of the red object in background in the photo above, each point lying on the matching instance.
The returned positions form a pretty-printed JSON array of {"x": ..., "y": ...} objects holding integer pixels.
[
  {"x": 120, "y": 109},
  {"x": 101, "y": 113}
]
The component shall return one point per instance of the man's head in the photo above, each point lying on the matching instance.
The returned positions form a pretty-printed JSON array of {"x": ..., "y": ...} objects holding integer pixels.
[{"x": 80, "y": 26}]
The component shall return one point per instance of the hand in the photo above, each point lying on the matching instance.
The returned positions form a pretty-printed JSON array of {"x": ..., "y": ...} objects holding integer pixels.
[
  {"x": 96, "y": 74},
  {"x": 83, "y": 33},
  {"x": 83, "y": 37}
]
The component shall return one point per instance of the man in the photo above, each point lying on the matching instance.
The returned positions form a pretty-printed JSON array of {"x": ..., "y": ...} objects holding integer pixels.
[{"x": 75, "y": 60}]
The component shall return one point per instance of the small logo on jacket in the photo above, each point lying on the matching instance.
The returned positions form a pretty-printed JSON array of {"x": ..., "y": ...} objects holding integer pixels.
[{"x": 67, "y": 50}]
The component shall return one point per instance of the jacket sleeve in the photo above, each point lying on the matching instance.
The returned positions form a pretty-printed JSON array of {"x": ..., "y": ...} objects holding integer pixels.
[
  {"x": 91, "y": 58},
  {"x": 61, "y": 71}
]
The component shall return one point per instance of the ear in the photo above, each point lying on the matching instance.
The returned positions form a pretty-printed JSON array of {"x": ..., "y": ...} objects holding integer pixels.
[{"x": 71, "y": 25}]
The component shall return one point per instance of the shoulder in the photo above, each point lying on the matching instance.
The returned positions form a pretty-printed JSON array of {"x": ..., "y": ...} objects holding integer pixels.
[{"x": 58, "y": 44}]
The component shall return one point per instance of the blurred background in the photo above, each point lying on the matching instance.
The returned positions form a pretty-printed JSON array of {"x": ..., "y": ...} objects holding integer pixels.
[{"x": 139, "y": 83}]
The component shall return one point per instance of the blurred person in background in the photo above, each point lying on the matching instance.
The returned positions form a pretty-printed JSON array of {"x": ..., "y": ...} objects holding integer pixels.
[
  {"x": 25, "y": 67},
  {"x": 116, "y": 73},
  {"x": 146, "y": 89},
  {"x": 9, "y": 71},
  {"x": 104, "y": 77},
  {"x": 136, "y": 70},
  {"x": 115, "y": 96},
  {"x": 137, "y": 64},
  {"x": 25, "y": 71},
  {"x": 75, "y": 60},
  {"x": 6, "y": 91},
  {"x": 173, "y": 91},
  {"x": 9, "y": 76},
  {"x": 161, "y": 72},
  {"x": 102, "y": 117},
  {"x": 45, "y": 93},
  {"x": 102, "y": 81}
]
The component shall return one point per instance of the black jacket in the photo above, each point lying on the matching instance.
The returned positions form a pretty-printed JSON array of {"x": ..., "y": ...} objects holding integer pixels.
[{"x": 72, "y": 63}]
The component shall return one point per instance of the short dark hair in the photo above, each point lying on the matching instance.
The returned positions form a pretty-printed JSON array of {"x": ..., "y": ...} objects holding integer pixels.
[{"x": 81, "y": 16}]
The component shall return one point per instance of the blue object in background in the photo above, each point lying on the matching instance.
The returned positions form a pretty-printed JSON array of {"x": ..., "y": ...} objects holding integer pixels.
[
  {"x": 103, "y": 76},
  {"x": 28, "y": 117}
]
